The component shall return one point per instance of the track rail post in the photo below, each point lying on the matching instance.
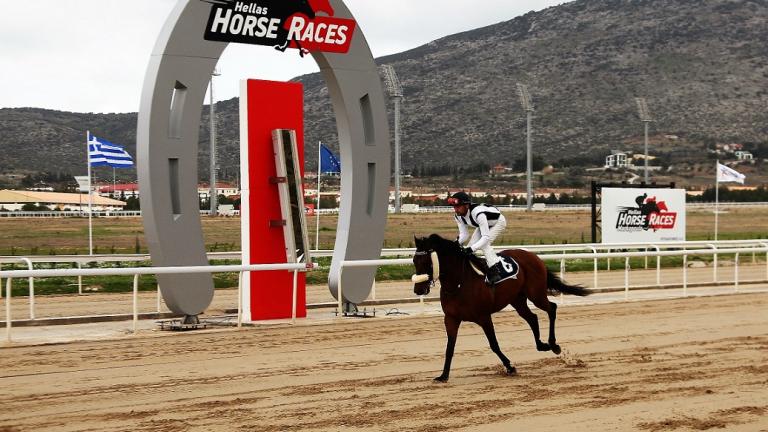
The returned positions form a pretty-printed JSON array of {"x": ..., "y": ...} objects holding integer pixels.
[{"x": 8, "y": 318}]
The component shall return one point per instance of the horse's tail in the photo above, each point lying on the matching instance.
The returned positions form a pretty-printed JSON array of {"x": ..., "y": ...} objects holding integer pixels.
[{"x": 554, "y": 283}]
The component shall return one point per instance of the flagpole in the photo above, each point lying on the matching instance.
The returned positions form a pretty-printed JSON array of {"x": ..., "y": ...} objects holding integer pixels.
[
  {"x": 317, "y": 210},
  {"x": 114, "y": 182},
  {"x": 717, "y": 196},
  {"x": 90, "y": 194}
]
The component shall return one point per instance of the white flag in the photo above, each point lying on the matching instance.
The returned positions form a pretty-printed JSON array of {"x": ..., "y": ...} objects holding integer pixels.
[
  {"x": 84, "y": 182},
  {"x": 726, "y": 174}
]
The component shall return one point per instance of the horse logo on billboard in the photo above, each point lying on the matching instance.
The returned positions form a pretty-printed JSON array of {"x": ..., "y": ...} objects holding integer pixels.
[{"x": 649, "y": 214}]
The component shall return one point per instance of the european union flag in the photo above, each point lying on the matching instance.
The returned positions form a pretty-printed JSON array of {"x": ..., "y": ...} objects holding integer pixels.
[
  {"x": 329, "y": 163},
  {"x": 103, "y": 153}
]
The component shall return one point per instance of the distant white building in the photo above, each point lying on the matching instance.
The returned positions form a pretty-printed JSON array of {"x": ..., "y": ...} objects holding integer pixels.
[
  {"x": 128, "y": 190},
  {"x": 122, "y": 190},
  {"x": 13, "y": 200},
  {"x": 403, "y": 194},
  {"x": 226, "y": 189},
  {"x": 729, "y": 148},
  {"x": 617, "y": 159},
  {"x": 227, "y": 210}
]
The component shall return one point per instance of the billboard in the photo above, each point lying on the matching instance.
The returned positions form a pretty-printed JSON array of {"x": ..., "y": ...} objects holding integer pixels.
[
  {"x": 280, "y": 24},
  {"x": 643, "y": 215}
]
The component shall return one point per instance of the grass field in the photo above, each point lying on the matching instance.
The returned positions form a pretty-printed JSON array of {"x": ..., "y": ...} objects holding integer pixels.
[{"x": 126, "y": 235}]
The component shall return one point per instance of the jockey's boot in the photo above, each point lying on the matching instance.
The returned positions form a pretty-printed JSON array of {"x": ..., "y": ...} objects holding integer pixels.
[{"x": 495, "y": 274}]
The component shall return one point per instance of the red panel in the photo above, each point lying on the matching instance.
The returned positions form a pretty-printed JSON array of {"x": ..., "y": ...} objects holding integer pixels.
[{"x": 271, "y": 105}]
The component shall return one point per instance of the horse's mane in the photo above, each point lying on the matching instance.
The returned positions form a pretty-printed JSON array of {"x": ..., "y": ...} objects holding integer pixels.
[
  {"x": 443, "y": 245},
  {"x": 452, "y": 247}
]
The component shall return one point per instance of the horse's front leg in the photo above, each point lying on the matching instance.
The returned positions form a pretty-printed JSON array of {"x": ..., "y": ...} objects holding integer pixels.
[
  {"x": 490, "y": 333},
  {"x": 452, "y": 330}
]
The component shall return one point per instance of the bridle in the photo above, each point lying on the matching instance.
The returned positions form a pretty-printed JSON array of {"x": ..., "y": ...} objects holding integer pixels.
[{"x": 433, "y": 273}]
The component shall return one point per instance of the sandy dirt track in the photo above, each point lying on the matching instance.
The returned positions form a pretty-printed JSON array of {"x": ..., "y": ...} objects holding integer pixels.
[{"x": 688, "y": 364}]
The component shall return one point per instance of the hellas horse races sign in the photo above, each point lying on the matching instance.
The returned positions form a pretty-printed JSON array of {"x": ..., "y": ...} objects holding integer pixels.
[
  {"x": 643, "y": 215},
  {"x": 280, "y": 24}
]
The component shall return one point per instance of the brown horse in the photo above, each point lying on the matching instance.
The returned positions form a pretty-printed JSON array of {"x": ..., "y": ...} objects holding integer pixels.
[{"x": 465, "y": 296}]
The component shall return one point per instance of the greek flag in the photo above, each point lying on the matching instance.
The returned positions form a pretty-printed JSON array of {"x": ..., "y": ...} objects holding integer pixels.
[
  {"x": 329, "y": 163},
  {"x": 104, "y": 153}
]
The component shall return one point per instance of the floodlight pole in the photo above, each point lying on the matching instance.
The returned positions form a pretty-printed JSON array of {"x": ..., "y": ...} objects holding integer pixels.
[
  {"x": 398, "y": 168},
  {"x": 395, "y": 90},
  {"x": 396, "y": 101},
  {"x": 529, "y": 163},
  {"x": 645, "y": 123},
  {"x": 212, "y": 194},
  {"x": 645, "y": 117},
  {"x": 525, "y": 101}
]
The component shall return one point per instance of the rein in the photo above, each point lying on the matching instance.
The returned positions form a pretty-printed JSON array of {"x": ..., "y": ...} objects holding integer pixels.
[{"x": 433, "y": 275}]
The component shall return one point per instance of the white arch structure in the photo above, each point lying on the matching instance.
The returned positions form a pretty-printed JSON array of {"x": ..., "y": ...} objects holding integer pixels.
[{"x": 167, "y": 151}]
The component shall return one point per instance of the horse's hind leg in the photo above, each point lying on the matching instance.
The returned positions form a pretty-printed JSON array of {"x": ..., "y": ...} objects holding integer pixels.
[
  {"x": 521, "y": 306},
  {"x": 543, "y": 303},
  {"x": 490, "y": 333},
  {"x": 552, "y": 312}
]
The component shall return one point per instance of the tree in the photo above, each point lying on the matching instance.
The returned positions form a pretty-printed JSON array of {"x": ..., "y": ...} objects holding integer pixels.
[
  {"x": 521, "y": 165},
  {"x": 226, "y": 200},
  {"x": 34, "y": 207},
  {"x": 328, "y": 202},
  {"x": 132, "y": 203}
]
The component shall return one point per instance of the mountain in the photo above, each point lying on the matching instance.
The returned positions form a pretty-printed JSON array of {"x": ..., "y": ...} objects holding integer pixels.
[
  {"x": 702, "y": 66},
  {"x": 36, "y": 139}
]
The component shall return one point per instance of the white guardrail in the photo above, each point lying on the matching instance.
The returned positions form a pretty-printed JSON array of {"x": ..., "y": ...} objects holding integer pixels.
[
  {"x": 81, "y": 260},
  {"x": 422, "y": 209},
  {"x": 138, "y": 271},
  {"x": 595, "y": 256},
  {"x": 686, "y": 249}
]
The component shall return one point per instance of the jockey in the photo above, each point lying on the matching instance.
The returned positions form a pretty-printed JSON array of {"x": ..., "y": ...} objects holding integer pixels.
[{"x": 488, "y": 223}]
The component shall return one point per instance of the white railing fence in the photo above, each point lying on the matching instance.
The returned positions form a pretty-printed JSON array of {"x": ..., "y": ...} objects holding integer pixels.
[
  {"x": 736, "y": 248},
  {"x": 81, "y": 260},
  {"x": 422, "y": 209},
  {"x": 9, "y": 275},
  {"x": 595, "y": 256}
]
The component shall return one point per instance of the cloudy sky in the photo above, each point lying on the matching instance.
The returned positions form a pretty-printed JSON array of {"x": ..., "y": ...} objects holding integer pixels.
[{"x": 91, "y": 55}]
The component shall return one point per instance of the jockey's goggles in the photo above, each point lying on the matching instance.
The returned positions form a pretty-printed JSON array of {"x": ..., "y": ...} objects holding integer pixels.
[{"x": 456, "y": 202}]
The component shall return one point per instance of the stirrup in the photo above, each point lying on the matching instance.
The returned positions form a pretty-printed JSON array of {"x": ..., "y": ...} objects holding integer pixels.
[
  {"x": 492, "y": 277},
  {"x": 498, "y": 274}
]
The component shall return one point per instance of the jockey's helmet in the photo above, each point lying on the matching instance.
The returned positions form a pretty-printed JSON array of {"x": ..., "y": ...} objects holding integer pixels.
[{"x": 459, "y": 198}]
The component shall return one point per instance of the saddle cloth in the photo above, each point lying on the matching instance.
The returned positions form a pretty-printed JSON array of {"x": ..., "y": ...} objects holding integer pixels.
[{"x": 510, "y": 266}]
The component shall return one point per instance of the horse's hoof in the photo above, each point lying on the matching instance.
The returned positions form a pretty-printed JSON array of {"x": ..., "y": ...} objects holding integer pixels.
[
  {"x": 543, "y": 347},
  {"x": 441, "y": 379},
  {"x": 556, "y": 349},
  {"x": 511, "y": 371}
]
